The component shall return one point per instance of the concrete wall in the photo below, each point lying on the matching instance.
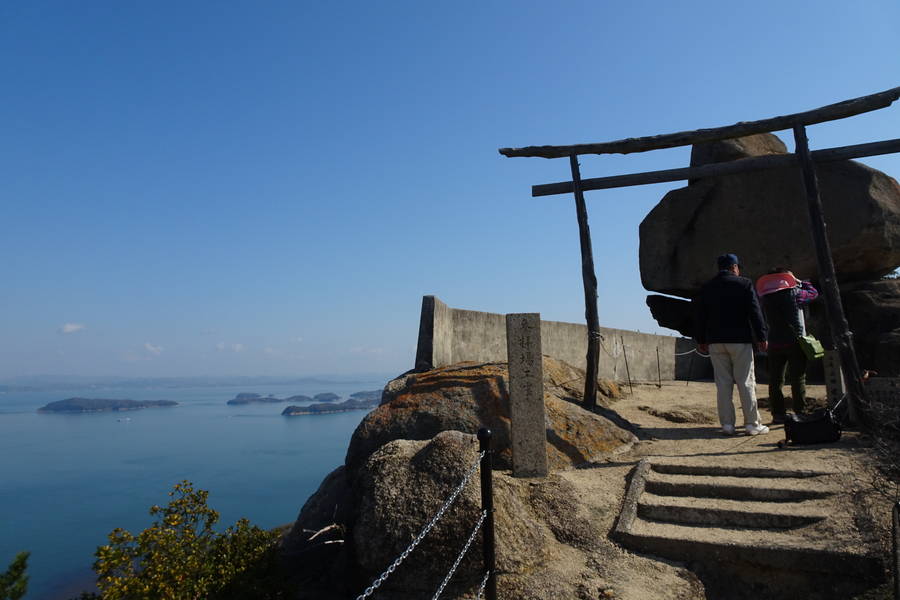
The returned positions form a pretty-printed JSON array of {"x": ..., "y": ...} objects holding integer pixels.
[{"x": 450, "y": 335}]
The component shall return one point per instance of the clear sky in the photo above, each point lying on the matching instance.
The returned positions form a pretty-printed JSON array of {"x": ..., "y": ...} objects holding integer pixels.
[{"x": 269, "y": 188}]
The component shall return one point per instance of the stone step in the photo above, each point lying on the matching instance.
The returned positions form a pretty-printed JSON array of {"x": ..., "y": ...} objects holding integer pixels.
[
  {"x": 735, "y": 488},
  {"x": 686, "y": 468},
  {"x": 773, "y": 549},
  {"x": 729, "y": 513}
]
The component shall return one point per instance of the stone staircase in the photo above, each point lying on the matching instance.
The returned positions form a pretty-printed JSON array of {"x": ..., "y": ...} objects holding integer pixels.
[{"x": 776, "y": 525}]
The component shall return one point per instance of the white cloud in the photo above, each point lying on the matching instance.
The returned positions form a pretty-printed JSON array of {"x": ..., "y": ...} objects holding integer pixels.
[
  {"x": 237, "y": 347},
  {"x": 71, "y": 328},
  {"x": 154, "y": 350},
  {"x": 298, "y": 339},
  {"x": 220, "y": 346}
]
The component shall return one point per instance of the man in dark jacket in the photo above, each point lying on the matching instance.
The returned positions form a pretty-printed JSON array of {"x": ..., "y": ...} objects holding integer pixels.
[
  {"x": 728, "y": 321},
  {"x": 783, "y": 297}
]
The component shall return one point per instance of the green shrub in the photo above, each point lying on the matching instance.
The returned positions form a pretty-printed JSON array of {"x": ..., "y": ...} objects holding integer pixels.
[
  {"x": 181, "y": 557},
  {"x": 14, "y": 582}
]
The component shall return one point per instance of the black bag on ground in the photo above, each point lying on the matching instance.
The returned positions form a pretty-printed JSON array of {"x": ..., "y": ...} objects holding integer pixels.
[{"x": 819, "y": 427}]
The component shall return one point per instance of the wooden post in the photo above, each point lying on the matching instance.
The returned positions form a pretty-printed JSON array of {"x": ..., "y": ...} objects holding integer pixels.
[
  {"x": 590, "y": 290},
  {"x": 840, "y": 329},
  {"x": 627, "y": 370},
  {"x": 658, "y": 370}
]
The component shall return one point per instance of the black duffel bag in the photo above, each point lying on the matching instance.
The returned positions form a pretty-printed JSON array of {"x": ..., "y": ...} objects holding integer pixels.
[{"x": 818, "y": 427}]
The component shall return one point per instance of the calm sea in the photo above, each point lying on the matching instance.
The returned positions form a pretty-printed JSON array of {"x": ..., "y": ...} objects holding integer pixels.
[{"x": 66, "y": 481}]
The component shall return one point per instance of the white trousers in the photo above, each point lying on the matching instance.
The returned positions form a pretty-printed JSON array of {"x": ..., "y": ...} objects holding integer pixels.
[{"x": 733, "y": 364}]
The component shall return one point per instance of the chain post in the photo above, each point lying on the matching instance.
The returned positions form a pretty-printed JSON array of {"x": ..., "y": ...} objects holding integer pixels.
[
  {"x": 896, "y": 545},
  {"x": 487, "y": 505}
]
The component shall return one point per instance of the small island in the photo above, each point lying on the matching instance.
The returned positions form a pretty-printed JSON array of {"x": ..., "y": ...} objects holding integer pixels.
[
  {"x": 247, "y": 398},
  {"x": 83, "y": 405},
  {"x": 370, "y": 395},
  {"x": 324, "y": 409},
  {"x": 326, "y": 397}
]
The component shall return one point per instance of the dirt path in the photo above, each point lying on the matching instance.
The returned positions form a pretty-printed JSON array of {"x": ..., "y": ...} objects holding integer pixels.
[{"x": 678, "y": 422}]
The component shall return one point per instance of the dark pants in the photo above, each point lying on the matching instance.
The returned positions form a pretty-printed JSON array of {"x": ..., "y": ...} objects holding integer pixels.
[{"x": 795, "y": 361}]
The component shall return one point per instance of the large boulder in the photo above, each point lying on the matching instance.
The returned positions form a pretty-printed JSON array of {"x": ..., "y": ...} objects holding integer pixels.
[
  {"x": 762, "y": 217},
  {"x": 467, "y": 396},
  {"x": 397, "y": 491}
]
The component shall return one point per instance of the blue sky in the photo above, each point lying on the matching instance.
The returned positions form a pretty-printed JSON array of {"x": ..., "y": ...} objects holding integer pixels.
[{"x": 269, "y": 188}]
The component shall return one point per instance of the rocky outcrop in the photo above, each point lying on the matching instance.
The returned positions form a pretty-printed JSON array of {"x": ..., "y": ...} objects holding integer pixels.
[
  {"x": 403, "y": 484},
  {"x": 762, "y": 217},
  {"x": 409, "y": 454},
  {"x": 467, "y": 396}
]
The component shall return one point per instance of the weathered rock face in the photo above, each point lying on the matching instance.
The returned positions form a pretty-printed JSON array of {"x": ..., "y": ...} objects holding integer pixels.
[
  {"x": 761, "y": 144},
  {"x": 873, "y": 312},
  {"x": 762, "y": 217},
  {"x": 409, "y": 454},
  {"x": 467, "y": 396},
  {"x": 673, "y": 313},
  {"x": 397, "y": 491}
]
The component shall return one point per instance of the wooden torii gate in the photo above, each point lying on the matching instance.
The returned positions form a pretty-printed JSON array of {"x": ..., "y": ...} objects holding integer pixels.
[{"x": 840, "y": 330}]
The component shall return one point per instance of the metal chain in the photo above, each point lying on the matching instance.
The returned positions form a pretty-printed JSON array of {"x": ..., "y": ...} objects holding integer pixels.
[
  {"x": 440, "y": 513},
  {"x": 688, "y": 352},
  {"x": 481, "y": 587},
  {"x": 459, "y": 557},
  {"x": 616, "y": 347}
]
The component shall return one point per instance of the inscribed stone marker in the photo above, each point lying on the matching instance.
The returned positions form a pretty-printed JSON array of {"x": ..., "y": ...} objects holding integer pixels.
[{"x": 526, "y": 395}]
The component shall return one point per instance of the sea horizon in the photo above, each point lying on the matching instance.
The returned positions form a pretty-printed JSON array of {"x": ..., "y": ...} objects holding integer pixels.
[{"x": 72, "y": 478}]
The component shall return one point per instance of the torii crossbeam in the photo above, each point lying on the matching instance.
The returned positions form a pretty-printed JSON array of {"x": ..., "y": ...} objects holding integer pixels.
[{"x": 840, "y": 329}]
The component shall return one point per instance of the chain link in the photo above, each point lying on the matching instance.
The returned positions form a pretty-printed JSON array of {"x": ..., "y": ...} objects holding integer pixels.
[
  {"x": 615, "y": 346},
  {"x": 437, "y": 517},
  {"x": 459, "y": 557},
  {"x": 481, "y": 587}
]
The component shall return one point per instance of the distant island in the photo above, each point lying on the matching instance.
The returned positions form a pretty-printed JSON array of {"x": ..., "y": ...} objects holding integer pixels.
[
  {"x": 248, "y": 398},
  {"x": 83, "y": 405},
  {"x": 324, "y": 409},
  {"x": 370, "y": 395}
]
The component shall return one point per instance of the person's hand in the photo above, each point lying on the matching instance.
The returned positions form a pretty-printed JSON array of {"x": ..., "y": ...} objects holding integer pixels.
[
  {"x": 762, "y": 346},
  {"x": 704, "y": 348}
]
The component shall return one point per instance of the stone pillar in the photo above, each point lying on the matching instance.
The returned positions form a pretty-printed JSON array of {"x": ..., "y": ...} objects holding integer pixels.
[
  {"x": 834, "y": 378},
  {"x": 526, "y": 395}
]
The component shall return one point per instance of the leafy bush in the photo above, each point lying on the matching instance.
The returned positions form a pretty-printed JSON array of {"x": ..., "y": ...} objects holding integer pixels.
[
  {"x": 14, "y": 582},
  {"x": 181, "y": 557}
]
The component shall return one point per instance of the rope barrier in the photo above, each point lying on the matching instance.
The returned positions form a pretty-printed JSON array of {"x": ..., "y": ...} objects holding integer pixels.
[{"x": 440, "y": 513}]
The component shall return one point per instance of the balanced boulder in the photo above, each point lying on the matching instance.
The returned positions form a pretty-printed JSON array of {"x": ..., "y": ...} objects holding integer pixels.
[{"x": 762, "y": 217}]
